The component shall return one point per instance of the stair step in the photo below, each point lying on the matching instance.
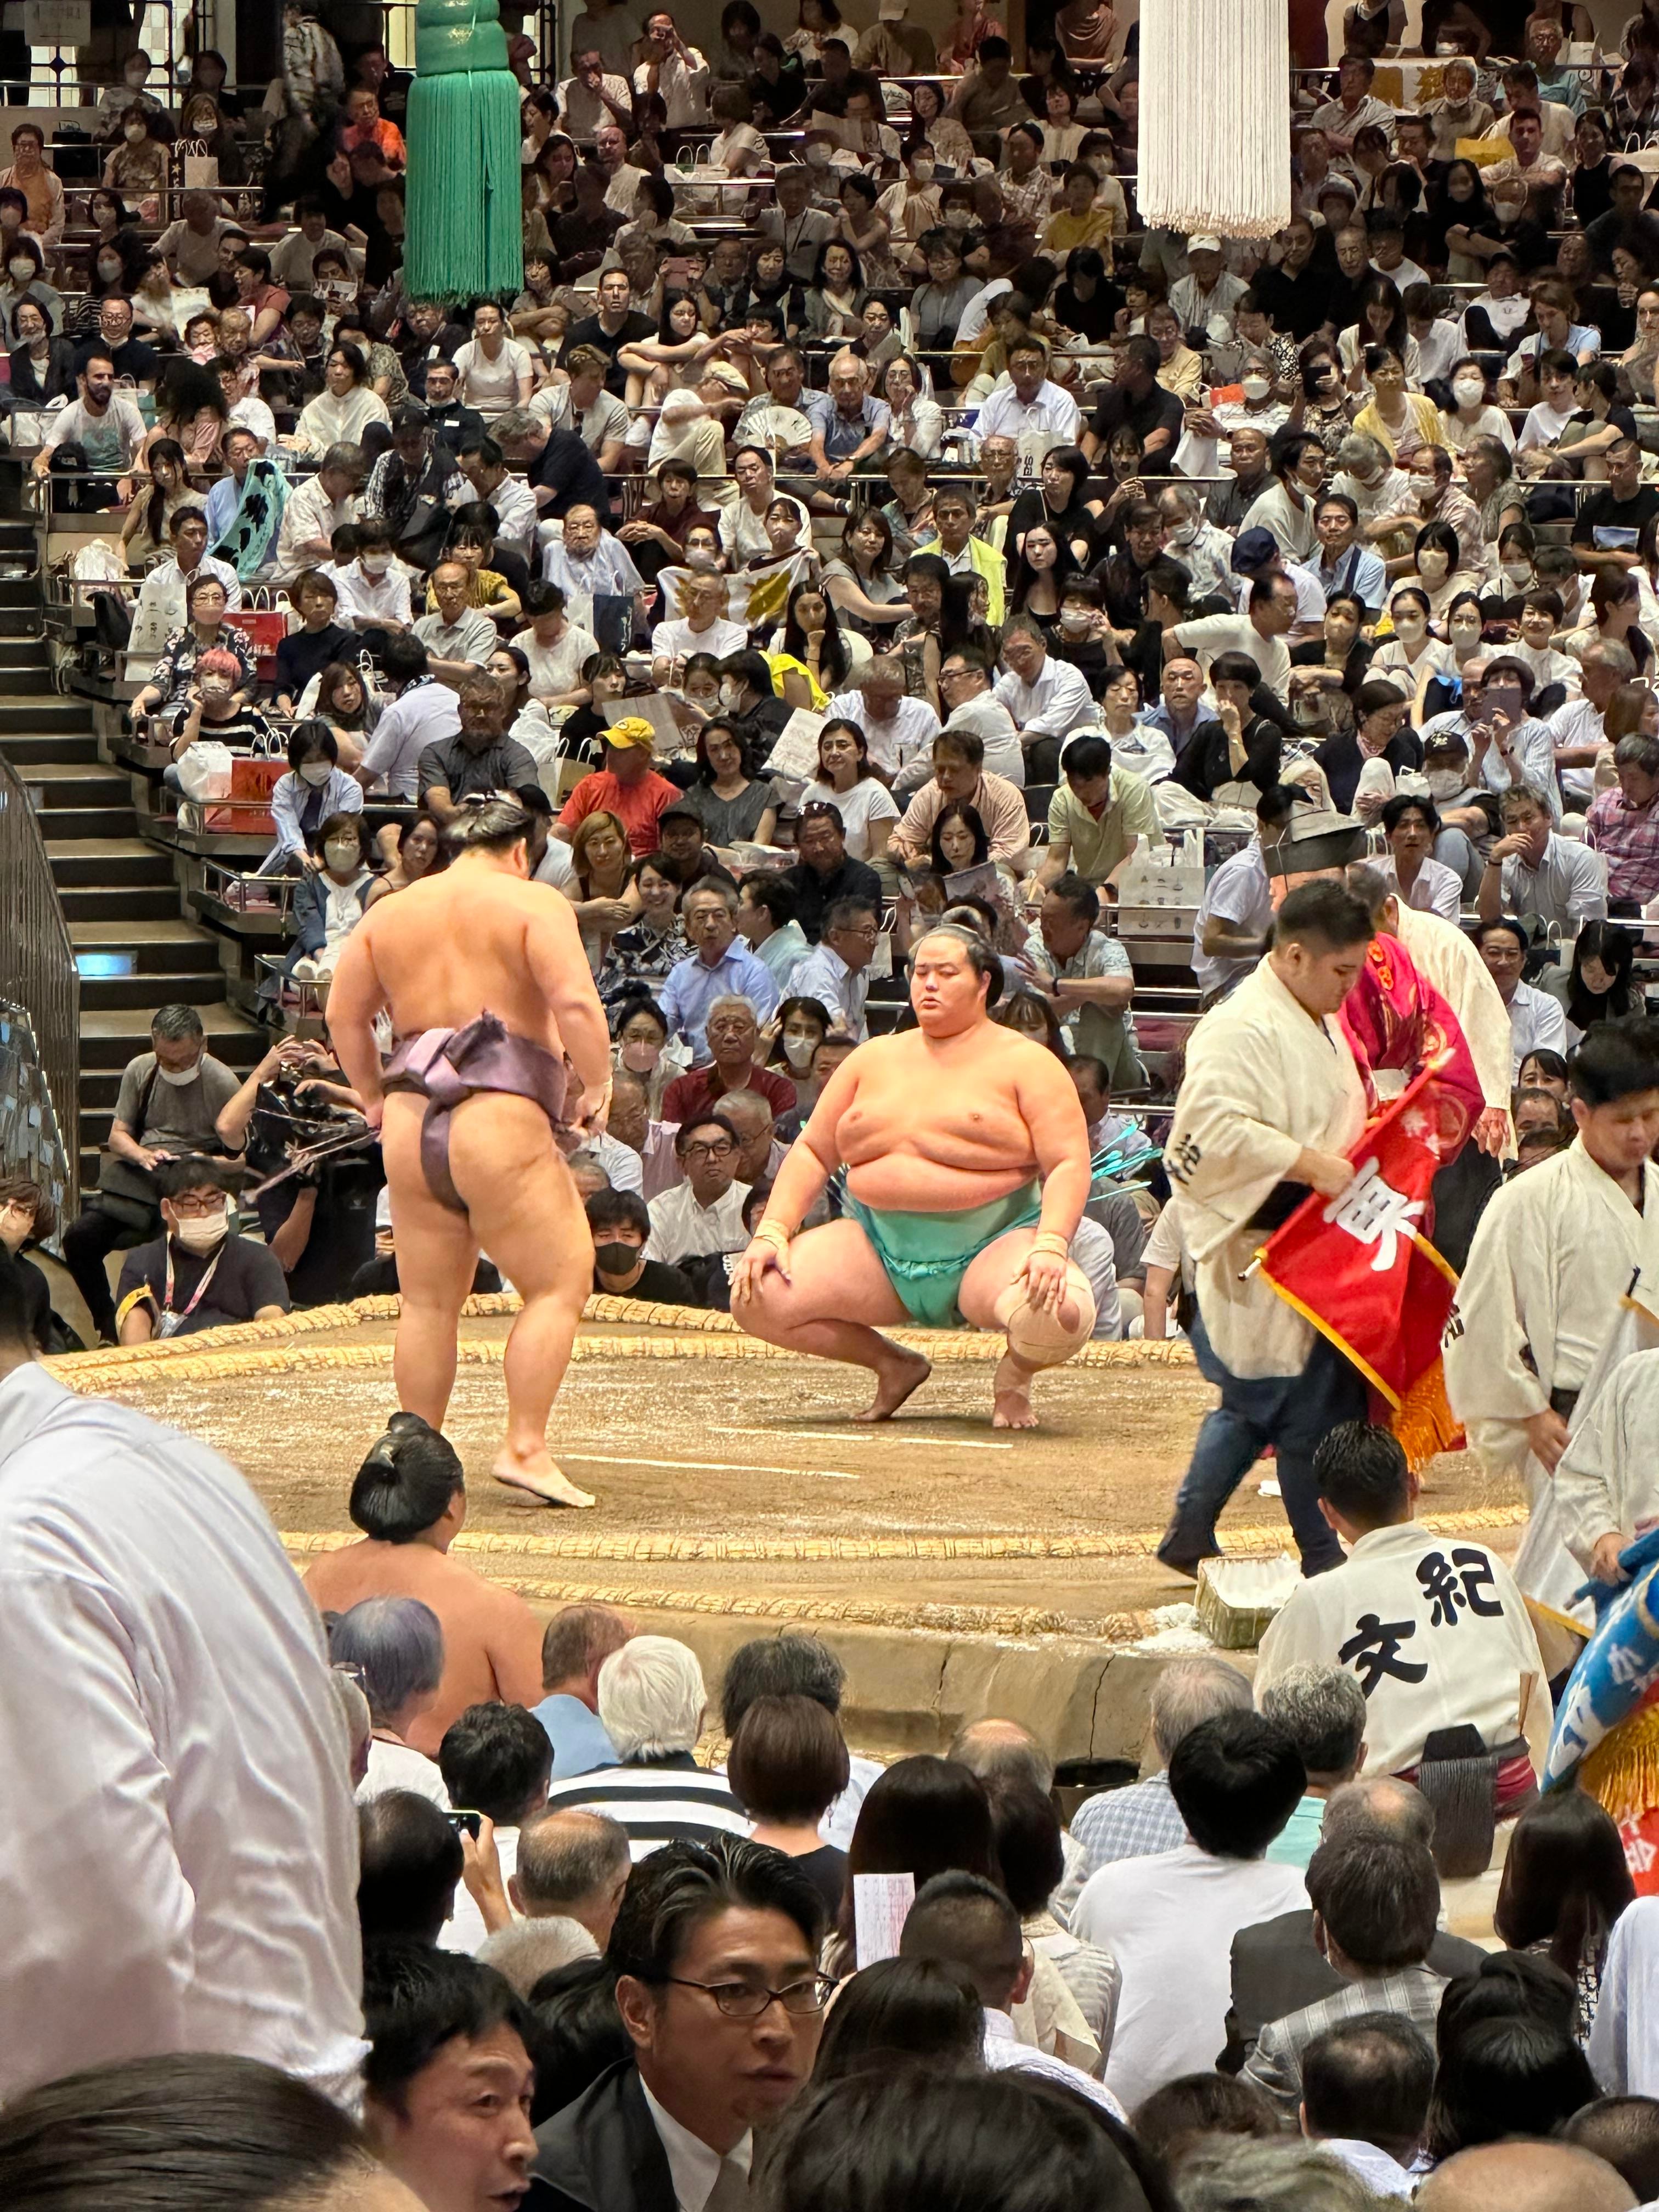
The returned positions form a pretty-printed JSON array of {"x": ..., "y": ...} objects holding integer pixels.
[
  {"x": 165, "y": 947},
  {"x": 86, "y": 822},
  {"x": 124, "y": 903},
  {"x": 76, "y": 783},
  {"x": 20, "y": 592},
  {"x": 108, "y": 862},
  {"x": 21, "y": 621},
  {"x": 29, "y": 753},
  {"x": 28, "y": 717},
  {"x": 110, "y": 994}
]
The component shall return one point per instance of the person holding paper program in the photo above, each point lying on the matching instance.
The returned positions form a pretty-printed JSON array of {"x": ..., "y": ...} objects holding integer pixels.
[{"x": 963, "y": 1158}]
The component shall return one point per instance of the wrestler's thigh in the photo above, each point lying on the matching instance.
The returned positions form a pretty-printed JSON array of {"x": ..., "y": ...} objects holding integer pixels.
[
  {"x": 834, "y": 1274},
  {"x": 524, "y": 1206},
  {"x": 436, "y": 1248},
  {"x": 990, "y": 1274}
]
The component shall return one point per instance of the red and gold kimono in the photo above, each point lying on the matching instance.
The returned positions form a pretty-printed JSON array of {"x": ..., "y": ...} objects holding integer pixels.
[{"x": 1398, "y": 1024}]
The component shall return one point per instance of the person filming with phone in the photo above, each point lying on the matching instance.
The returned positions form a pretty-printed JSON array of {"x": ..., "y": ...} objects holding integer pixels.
[{"x": 1508, "y": 743}]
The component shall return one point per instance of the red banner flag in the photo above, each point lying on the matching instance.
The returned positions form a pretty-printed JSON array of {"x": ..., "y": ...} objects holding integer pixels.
[{"x": 1361, "y": 1268}]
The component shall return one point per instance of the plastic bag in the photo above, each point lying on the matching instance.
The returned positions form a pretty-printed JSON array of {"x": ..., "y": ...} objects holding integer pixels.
[{"x": 204, "y": 769}]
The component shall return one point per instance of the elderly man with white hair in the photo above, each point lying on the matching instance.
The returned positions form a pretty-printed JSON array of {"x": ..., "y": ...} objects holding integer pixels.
[
  {"x": 651, "y": 1702},
  {"x": 856, "y": 428}
]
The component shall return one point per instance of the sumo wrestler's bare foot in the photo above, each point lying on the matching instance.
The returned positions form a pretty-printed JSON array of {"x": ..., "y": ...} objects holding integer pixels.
[
  {"x": 534, "y": 1471},
  {"x": 1011, "y": 1395},
  {"x": 899, "y": 1374}
]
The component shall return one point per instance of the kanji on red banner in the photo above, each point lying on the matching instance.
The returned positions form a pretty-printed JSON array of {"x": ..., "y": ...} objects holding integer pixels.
[{"x": 1361, "y": 1268}]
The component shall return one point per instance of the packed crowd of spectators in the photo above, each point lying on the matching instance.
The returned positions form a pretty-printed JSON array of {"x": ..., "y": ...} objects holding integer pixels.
[
  {"x": 614, "y": 1942},
  {"x": 862, "y": 519}
]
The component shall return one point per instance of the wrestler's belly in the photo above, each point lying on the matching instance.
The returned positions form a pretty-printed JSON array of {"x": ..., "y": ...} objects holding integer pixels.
[{"x": 906, "y": 1183}]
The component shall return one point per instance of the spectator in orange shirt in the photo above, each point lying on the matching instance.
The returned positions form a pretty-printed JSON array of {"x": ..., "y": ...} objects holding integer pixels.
[
  {"x": 364, "y": 125},
  {"x": 627, "y": 786}
]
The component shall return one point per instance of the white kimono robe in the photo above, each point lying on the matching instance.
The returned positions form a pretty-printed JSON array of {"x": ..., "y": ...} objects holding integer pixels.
[
  {"x": 1546, "y": 1271},
  {"x": 1607, "y": 1483},
  {"x": 1263, "y": 1079},
  {"x": 1435, "y": 1632}
]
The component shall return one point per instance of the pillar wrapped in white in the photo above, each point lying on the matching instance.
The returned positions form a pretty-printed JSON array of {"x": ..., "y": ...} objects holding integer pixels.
[{"x": 1215, "y": 116}]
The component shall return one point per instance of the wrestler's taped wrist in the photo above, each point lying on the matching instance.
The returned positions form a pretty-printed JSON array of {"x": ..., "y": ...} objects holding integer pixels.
[
  {"x": 773, "y": 1233},
  {"x": 1051, "y": 1240}
]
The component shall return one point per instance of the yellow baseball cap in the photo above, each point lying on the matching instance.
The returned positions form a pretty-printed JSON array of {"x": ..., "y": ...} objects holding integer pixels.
[{"x": 635, "y": 730}]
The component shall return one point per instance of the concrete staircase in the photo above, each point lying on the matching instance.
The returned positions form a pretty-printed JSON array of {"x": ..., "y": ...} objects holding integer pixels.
[{"x": 134, "y": 943}]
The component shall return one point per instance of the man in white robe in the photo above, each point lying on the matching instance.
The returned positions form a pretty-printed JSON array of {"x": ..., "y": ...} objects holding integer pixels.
[
  {"x": 179, "y": 1858},
  {"x": 1607, "y": 1482},
  {"x": 1433, "y": 1627},
  {"x": 1549, "y": 1264},
  {"x": 1271, "y": 1098}
]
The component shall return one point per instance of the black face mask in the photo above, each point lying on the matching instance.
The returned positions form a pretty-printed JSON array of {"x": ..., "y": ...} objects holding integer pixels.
[{"x": 616, "y": 1259}]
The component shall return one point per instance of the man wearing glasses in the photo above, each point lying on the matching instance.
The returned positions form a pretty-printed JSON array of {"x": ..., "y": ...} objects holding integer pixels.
[
  {"x": 836, "y": 972},
  {"x": 704, "y": 1214},
  {"x": 198, "y": 1274},
  {"x": 716, "y": 1948}
]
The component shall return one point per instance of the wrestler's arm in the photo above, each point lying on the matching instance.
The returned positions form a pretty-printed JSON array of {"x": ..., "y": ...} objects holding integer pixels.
[
  {"x": 1059, "y": 1141},
  {"x": 558, "y": 967},
  {"x": 355, "y": 997}
]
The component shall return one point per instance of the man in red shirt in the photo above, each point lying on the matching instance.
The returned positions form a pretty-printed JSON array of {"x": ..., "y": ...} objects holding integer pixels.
[
  {"x": 733, "y": 1034},
  {"x": 627, "y": 786}
]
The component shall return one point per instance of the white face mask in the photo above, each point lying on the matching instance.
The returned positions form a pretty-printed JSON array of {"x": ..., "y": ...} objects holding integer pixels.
[
  {"x": 1517, "y": 572},
  {"x": 1409, "y": 627},
  {"x": 134, "y": 132},
  {"x": 1432, "y": 566},
  {"x": 640, "y": 1055},
  {"x": 21, "y": 268},
  {"x": 1074, "y": 621},
  {"x": 957, "y": 218},
  {"x": 731, "y": 695},
  {"x": 375, "y": 564},
  {"x": 179, "y": 1076},
  {"x": 799, "y": 1051},
  {"x": 817, "y": 154},
  {"x": 1185, "y": 535},
  {"x": 1469, "y": 391},
  {"x": 1256, "y": 387},
  {"x": 922, "y": 169},
  {"x": 341, "y": 855},
  {"x": 109, "y": 271},
  {"x": 1444, "y": 782},
  {"x": 204, "y": 1232},
  {"x": 316, "y": 774}
]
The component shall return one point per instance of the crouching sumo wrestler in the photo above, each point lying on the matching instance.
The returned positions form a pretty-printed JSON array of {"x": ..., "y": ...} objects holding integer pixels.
[{"x": 965, "y": 1158}]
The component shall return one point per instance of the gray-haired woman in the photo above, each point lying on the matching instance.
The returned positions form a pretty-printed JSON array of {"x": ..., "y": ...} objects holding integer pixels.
[{"x": 395, "y": 1645}]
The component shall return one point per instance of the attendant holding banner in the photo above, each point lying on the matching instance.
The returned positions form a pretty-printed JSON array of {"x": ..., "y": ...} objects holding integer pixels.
[{"x": 1272, "y": 1102}]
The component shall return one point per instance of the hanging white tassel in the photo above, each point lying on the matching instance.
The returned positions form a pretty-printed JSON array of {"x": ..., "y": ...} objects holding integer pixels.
[{"x": 1215, "y": 116}]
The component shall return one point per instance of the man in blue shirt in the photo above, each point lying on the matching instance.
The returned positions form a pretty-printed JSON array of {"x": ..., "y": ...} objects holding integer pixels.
[
  {"x": 717, "y": 966},
  {"x": 575, "y": 1645}
]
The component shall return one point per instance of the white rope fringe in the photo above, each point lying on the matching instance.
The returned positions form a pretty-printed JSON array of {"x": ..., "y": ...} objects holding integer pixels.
[{"x": 1215, "y": 116}]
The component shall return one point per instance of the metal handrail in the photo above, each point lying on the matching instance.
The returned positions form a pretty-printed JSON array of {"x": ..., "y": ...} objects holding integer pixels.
[{"x": 40, "y": 997}]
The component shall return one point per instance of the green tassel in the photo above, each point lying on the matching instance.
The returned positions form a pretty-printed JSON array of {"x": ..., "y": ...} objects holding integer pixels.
[{"x": 464, "y": 224}]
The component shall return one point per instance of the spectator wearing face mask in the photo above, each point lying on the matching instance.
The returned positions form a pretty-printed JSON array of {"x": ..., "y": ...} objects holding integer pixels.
[{"x": 199, "y": 1274}]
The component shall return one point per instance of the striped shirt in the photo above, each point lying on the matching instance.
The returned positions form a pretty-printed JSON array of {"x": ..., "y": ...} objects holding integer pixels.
[
  {"x": 657, "y": 1801},
  {"x": 1412, "y": 1993}
]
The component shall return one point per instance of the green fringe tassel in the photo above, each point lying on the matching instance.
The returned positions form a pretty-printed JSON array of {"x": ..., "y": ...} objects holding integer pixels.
[{"x": 464, "y": 225}]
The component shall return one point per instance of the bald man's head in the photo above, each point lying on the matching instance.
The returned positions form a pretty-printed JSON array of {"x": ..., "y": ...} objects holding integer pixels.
[{"x": 1525, "y": 2177}]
